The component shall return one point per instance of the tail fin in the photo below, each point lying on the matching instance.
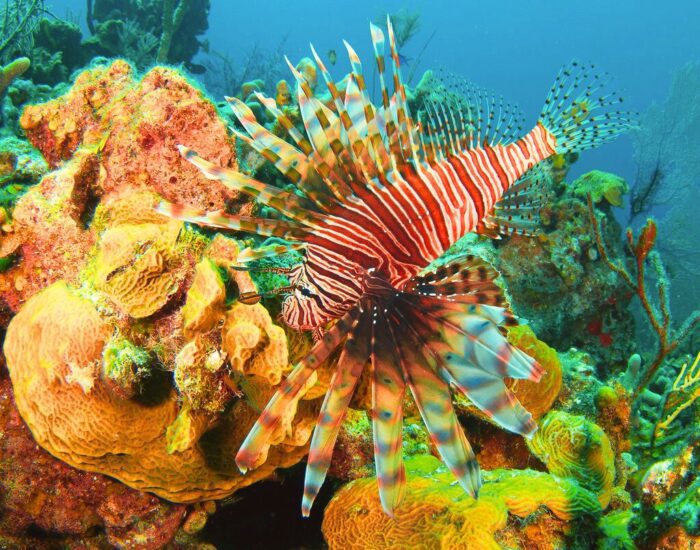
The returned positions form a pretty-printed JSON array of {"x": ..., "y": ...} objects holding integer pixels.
[{"x": 580, "y": 112}]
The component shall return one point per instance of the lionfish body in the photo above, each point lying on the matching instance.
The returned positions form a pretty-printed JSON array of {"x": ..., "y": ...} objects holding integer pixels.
[{"x": 380, "y": 196}]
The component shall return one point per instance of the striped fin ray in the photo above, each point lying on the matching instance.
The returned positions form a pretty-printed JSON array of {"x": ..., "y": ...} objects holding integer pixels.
[
  {"x": 351, "y": 363},
  {"x": 267, "y": 251},
  {"x": 356, "y": 145},
  {"x": 389, "y": 125},
  {"x": 580, "y": 112},
  {"x": 292, "y": 206},
  {"x": 375, "y": 140},
  {"x": 287, "y": 159},
  {"x": 437, "y": 133},
  {"x": 432, "y": 396},
  {"x": 332, "y": 188},
  {"x": 406, "y": 132},
  {"x": 388, "y": 388},
  {"x": 259, "y": 436},
  {"x": 221, "y": 220},
  {"x": 321, "y": 124},
  {"x": 472, "y": 116},
  {"x": 518, "y": 210}
]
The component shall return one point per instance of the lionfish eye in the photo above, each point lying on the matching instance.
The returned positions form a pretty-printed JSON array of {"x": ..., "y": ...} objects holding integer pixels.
[{"x": 305, "y": 291}]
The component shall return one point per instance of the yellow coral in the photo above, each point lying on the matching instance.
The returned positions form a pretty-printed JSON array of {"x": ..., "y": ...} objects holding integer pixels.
[
  {"x": 134, "y": 266},
  {"x": 57, "y": 333},
  {"x": 133, "y": 209},
  {"x": 437, "y": 513},
  {"x": 284, "y": 96},
  {"x": 12, "y": 70},
  {"x": 536, "y": 397},
  {"x": 206, "y": 299},
  {"x": 253, "y": 344},
  {"x": 573, "y": 447}
]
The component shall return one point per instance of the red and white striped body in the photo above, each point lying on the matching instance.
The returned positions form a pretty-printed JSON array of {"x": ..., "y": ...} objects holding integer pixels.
[{"x": 405, "y": 224}]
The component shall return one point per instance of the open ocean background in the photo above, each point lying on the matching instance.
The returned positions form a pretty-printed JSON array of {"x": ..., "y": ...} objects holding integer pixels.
[{"x": 513, "y": 48}]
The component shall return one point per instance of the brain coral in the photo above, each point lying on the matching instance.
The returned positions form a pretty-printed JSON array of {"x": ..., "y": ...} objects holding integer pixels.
[
  {"x": 54, "y": 349},
  {"x": 437, "y": 513},
  {"x": 576, "y": 448},
  {"x": 135, "y": 266}
]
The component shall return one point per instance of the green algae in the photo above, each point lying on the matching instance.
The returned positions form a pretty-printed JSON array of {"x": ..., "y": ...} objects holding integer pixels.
[
  {"x": 124, "y": 363},
  {"x": 601, "y": 185}
]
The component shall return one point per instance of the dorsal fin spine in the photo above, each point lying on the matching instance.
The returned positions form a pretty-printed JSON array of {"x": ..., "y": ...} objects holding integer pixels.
[{"x": 404, "y": 123}]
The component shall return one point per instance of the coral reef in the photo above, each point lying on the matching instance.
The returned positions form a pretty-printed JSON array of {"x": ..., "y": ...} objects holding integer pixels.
[
  {"x": 127, "y": 354},
  {"x": 437, "y": 513},
  {"x": 132, "y": 128},
  {"x": 669, "y": 507},
  {"x": 73, "y": 413},
  {"x": 658, "y": 314},
  {"x": 112, "y": 135},
  {"x": 575, "y": 448},
  {"x": 11, "y": 71},
  {"x": 148, "y": 32},
  {"x": 46, "y": 503},
  {"x": 601, "y": 185},
  {"x": 558, "y": 282}
]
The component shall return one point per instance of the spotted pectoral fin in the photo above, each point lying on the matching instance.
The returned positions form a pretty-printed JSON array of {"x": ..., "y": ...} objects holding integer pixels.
[
  {"x": 288, "y": 392},
  {"x": 490, "y": 394},
  {"x": 432, "y": 396},
  {"x": 472, "y": 353},
  {"x": 351, "y": 363},
  {"x": 388, "y": 387}
]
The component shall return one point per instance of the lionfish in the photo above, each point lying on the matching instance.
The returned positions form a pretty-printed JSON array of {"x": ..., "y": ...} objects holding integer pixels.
[{"x": 379, "y": 196}]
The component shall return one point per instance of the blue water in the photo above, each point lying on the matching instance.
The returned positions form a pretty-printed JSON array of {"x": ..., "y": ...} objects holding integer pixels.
[{"x": 514, "y": 48}]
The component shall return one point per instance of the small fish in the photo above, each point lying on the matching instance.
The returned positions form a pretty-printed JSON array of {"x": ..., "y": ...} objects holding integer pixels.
[
  {"x": 379, "y": 195},
  {"x": 332, "y": 57}
]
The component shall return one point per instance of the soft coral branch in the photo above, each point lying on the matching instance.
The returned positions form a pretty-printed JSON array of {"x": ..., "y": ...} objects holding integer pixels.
[{"x": 659, "y": 319}]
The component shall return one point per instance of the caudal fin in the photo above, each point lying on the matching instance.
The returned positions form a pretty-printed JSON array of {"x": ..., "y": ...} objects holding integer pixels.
[{"x": 581, "y": 112}]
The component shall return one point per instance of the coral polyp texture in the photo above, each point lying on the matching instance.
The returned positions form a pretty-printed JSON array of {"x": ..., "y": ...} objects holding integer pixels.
[
  {"x": 436, "y": 513},
  {"x": 576, "y": 448},
  {"x": 54, "y": 348},
  {"x": 135, "y": 126}
]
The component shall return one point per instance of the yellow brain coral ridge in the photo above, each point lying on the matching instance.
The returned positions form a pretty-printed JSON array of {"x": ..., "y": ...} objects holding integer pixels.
[
  {"x": 134, "y": 266},
  {"x": 206, "y": 299},
  {"x": 253, "y": 344},
  {"x": 57, "y": 331},
  {"x": 573, "y": 447},
  {"x": 536, "y": 397},
  {"x": 437, "y": 513}
]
